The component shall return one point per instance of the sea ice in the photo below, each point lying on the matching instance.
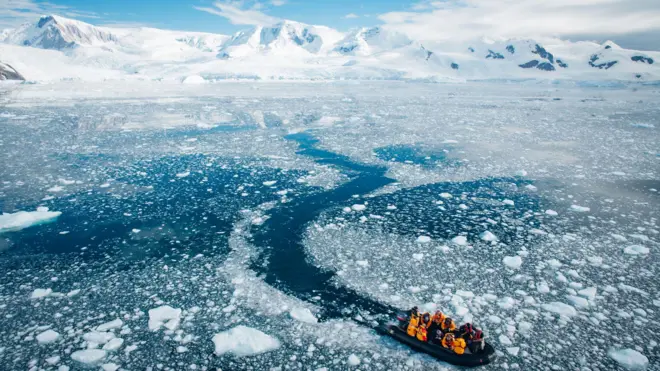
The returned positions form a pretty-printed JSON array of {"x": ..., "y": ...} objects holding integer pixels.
[
  {"x": 89, "y": 356},
  {"x": 164, "y": 316},
  {"x": 580, "y": 209},
  {"x": 244, "y": 341},
  {"x": 358, "y": 207},
  {"x": 487, "y": 236},
  {"x": 423, "y": 239},
  {"x": 459, "y": 240},
  {"x": 40, "y": 293},
  {"x": 353, "y": 360},
  {"x": 303, "y": 315},
  {"x": 10, "y": 222},
  {"x": 47, "y": 337},
  {"x": 563, "y": 309},
  {"x": 513, "y": 262},
  {"x": 636, "y": 250},
  {"x": 629, "y": 359},
  {"x": 117, "y": 323}
]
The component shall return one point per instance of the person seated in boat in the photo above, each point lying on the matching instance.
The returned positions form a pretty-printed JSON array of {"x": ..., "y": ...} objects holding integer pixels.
[
  {"x": 448, "y": 325},
  {"x": 434, "y": 327},
  {"x": 476, "y": 343},
  {"x": 413, "y": 322},
  {"x": 422, "y": 333},
  {"x": 451, "y": 342},
  {"x": 425, "y": 320},
  {"x": 466, "y": 331}
]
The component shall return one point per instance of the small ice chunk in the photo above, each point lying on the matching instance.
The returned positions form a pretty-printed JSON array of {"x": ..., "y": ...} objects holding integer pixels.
[
  {"x": 164, "y": 316},
  {"x": 270, "y": 183},
  {"x": 504, "y": 340},
  {"x": 508, "y": 202},
  {"x": 419, "y": 256},
  {"x": 117, "y": 323},
  {"x": 551, "y": 212},
  {"x": 244, "y": 341},
  {"x": 73, "y": 293},
  {"x": 113, "y": 344},
  {"x": 183, "y": 174},
  {"x": 56, "y": 188},
  {"x": 563, "y": 309},
  {"x": 353, "y": 360},
  {"x": 578, "y": 301},
  {"x": 543, "y": 288},
  {"x": 362, "y": 263},
  {"x": 629, "y": 359},
  {"x": 636, "y": 250},
  {"x": 580, "y": 209},
  {"x": 487, "y": 236},
  {"x": 41, "y": 293},
  {"x": 513, "y": 262},
  {"x": 391, "y": 207},
  {"x": 11, "y": 222},
  {"x": 358, "y": 207},
  {"x": 423, "y": 239},
  {"x": 110, "y": 367},
  {"x": 513, "y": 350},
  {"x": 521, "y": 173},
  {"x": 589, "y": 293},
  {"x": 47, "y": 337},
  {"x": 98, "y": 337},
  {"x": 446, "y": 195},
  {"x": 89, "y": 356},
  {"x": 303, "y": 315},
  {"x": 53, "y": 360},
  {"x": 459, "y": 240}
]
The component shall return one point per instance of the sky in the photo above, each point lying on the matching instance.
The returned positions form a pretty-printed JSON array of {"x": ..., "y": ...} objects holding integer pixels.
[{"x": 632, "y": 24}]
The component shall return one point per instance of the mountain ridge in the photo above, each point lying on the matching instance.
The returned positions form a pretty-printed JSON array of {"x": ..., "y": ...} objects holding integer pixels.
[{"x": 294, "y": 50}]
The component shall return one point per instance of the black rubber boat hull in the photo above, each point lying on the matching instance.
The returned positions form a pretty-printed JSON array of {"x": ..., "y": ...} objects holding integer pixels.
[{"x": 468, "y": 360}]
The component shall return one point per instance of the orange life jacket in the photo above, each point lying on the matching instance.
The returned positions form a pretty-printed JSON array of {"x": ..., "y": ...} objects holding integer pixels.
[
  {"x": 445, "y": 328},
  {"x": 413, "y": 324},
  {"x": 438, "y": 317},
  {"x": 421, "y": 334}
]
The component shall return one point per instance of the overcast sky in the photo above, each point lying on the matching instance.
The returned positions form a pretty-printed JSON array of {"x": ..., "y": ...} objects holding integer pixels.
[{"x": 629, "y": 23}]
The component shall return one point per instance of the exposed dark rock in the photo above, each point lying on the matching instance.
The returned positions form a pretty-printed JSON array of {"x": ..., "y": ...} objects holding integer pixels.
[
  {"x": 544, "y": 53},
  {"x": 511, "y": 49},
  {"x": 494, "y": 55},
  {"x": 638, "y": 76},
  {"x": 561, "y": 63},
  {"x": 642, "y": 59},
  {"x": 545, "y": 66},
  {"x": 608, "y": 46},
  {"x": 428, "y": 53},
  {"x": 454, "y": 66},
  {"x": 530, "y": 64},
  {"x": 471, "y": 49},
  {"x": 605, "y": 65},
  {"x": 8, "y": 72}
]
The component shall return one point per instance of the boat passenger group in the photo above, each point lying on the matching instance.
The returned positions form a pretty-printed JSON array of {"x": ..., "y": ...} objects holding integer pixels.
[{"x": 441, "y": 330}]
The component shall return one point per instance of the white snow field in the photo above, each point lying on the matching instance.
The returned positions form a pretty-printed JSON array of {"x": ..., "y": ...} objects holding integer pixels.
[
  {"x": 158, "y": 259},
  {"x": 53, "y": 48}
]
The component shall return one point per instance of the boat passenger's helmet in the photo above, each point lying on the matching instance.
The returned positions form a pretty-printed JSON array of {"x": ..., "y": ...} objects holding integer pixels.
[
  {"x": 414, "y": 309},
  {"x": 426, "y": 317}
]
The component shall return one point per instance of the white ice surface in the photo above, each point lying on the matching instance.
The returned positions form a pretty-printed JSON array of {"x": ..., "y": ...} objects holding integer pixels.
[
  {"x": 629, "y": 359},
  {"x": 244, "y": 341},
  {"x": 89, "y": 356},
  {"x": 10, "y": 222},
  {"x": 47, "y": 337},
  {"x": 164, "y": 316}
]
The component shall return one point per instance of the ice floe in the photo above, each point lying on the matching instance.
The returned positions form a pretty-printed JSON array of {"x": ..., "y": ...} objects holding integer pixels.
[
  {"x": 244, "y": 341},
  {"x": 10, "y": 222}
]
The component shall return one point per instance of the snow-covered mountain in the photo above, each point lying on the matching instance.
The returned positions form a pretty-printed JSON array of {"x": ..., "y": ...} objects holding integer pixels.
[
  {"x": 53, "y": 32},
  {"x": 53, "y": 48},
  {"x": 285, "y": 38}
]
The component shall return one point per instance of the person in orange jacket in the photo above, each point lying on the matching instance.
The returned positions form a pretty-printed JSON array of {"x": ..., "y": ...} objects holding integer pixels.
[
  {"x": 425, "y": 320},
  {"x": 448, "y": 325},
  {"x": 413, "y": 323},
  {"x": 453, "y": 343},
  {"x": 421, "y": 333}
]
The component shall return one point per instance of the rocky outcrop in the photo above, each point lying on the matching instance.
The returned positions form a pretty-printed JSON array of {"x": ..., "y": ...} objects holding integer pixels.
[{"x": 8, "y": 72}]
